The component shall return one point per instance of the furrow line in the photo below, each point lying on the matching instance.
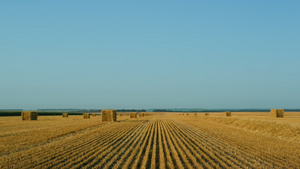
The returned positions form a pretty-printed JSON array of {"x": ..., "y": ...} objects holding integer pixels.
[
  {"x": 127, "y": 151},
  {"x": 132, "y": 156},
  {"x": 215, "y": 144},
  {"x": 177, "y": 157},
  {"x": 162, "y": 159},
  {"x": 270, "y": 159},
  {"x": 207, "y": 156},
  {"x": 109, "y": 156},
  {"x": 142, "y": 160},
  {"x": 98, "y": 152},
  {"x": 226, "y": 151},
  {"x": 45, "y": 154},
  {"x": 169, "y": 157},
  {"x": 188, "y": 159},
  {"x": 86, "y": 143},
  {"x": 213, "y": 155},
  {"x": 197, "y": 160},
  {"x": 252, "y": 159},
  {"x": 152, "y": 162},
  {"x": 156, "y": 149}
]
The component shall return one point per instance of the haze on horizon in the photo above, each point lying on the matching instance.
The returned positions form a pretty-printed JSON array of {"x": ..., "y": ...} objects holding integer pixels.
[{"x": 133, "y": 54}]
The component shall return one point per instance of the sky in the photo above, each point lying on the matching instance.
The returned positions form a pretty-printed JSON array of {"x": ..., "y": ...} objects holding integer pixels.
[{"x": 149, "y": 54}]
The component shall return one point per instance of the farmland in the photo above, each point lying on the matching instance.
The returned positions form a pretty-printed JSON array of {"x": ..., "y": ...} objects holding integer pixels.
[{"x": 163, "y": 140}]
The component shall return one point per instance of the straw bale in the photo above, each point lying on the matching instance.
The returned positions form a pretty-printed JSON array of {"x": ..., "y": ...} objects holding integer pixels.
[
  {"x": 65, "y": 114},
  {"x": 109, "y": 115},
  {"x": 195, "y": 114},
  {"x": 277, "y": 113},
  {"x": 133, "y": 115},
  {"x": 141, "y": 114},
  {"x": 93, "y": 114},
  {"x": 206, "y": 114},
  {"x": 227, "y": 113},
  {"x": 86, "y": 115},
  {"x": 29, "y": 115}
]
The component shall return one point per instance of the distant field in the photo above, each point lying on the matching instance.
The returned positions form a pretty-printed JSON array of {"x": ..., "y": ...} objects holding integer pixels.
[{"x": 163, "y": 140}]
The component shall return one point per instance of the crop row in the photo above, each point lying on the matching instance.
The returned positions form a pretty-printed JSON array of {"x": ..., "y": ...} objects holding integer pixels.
[{"x": 148, "y": 142}]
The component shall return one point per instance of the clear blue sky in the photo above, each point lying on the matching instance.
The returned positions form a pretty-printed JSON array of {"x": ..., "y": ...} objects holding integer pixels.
[{"x": 155, "y": 54}]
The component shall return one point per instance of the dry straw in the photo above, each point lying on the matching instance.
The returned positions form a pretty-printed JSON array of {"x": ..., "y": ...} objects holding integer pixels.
[
  {"x": 86, "y": 115},
  {"x": 133, "y": 115},
  {"x": 65, "y": 114},
  {"x": 227, "y": 113},
  {"x": 109, "y": 115},
  {"x": 195, "y": 114},
  {"x": 206, "y": 114},
  {"x": 29, "y": 115},
  {"x": 277, "y": 113}
]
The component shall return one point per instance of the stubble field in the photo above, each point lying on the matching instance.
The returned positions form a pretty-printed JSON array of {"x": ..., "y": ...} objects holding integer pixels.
[{"x": 163, "y": 140}]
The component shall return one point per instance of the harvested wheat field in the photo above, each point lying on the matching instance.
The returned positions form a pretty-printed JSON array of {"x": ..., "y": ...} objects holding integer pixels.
[{"x": 163, "y": 140}]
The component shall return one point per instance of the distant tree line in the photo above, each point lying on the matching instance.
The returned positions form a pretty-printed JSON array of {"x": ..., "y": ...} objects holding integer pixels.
[
  {"x": 131, "y": 110},
  {"x": 69, "y": 110},
  {"x": 222, "y": 110},
  {"x": 162, "y": 110},
  {"x": 43, "y": 113}
]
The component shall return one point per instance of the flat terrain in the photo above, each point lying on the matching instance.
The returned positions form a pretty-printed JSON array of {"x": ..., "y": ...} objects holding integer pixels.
[{"x": 163, "y": 140}]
